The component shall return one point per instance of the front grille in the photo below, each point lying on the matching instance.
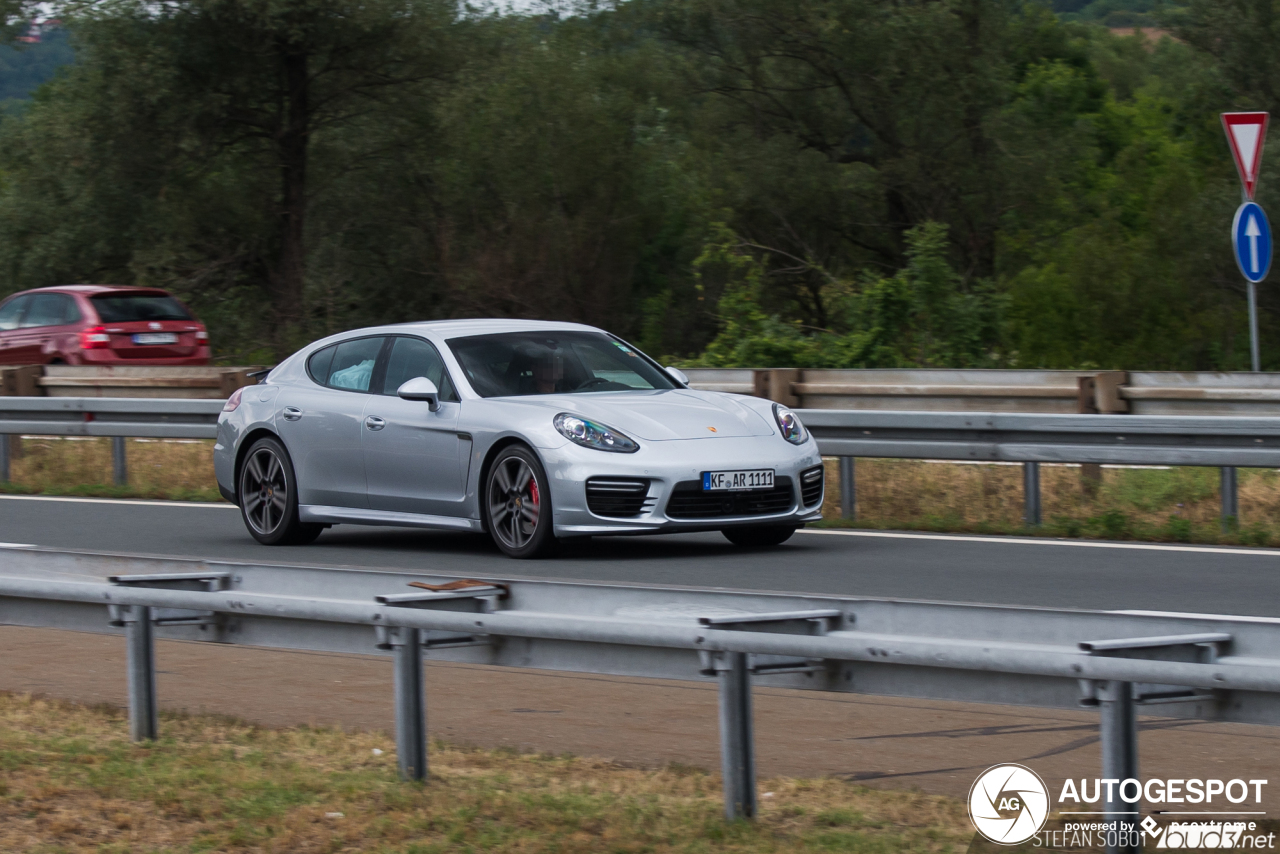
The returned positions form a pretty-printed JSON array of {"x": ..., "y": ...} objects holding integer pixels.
[
  {"x": 689, "y": 501},
  {"x": 811, "y": 486},
  {"x": 619, "y": 497}
]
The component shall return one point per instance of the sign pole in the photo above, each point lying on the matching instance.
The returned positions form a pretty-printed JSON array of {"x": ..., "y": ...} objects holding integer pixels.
[
  {"x": 1253, "y": 313},
  {"x": 1253, "y": 327}
]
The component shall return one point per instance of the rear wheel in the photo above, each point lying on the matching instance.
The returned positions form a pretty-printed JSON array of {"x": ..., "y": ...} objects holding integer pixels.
[
  {"x": 766, "y": 535},
  {"x": 268, "y": 494},
  {"x": 518, "y": 504}
]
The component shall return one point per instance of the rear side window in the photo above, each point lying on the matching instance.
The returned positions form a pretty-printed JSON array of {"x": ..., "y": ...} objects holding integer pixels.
[
  {"x": 50, "y": 310},
  {"x": 131, "y": 308},
  {"x": 411, "y": 358},
  {"x": 11, "y": 312},
  {"x": 347, "y": 366}
]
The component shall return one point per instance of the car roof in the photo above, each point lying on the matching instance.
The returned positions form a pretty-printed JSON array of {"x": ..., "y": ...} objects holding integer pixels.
[
  {"x": 485, "y": 326},
  {"x": 92, "y": 290}
]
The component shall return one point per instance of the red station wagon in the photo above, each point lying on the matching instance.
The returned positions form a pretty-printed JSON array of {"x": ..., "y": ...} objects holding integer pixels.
[{"x": 100, "y": 325}]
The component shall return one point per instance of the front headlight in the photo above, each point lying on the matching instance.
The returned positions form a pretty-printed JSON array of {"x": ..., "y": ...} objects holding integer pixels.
[
  {"x": 591, "y": 434},
  {"x": 789, "y": 423}
]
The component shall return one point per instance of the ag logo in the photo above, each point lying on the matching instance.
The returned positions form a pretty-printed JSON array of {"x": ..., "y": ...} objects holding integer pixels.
[{"x": 1008, "y": 804}]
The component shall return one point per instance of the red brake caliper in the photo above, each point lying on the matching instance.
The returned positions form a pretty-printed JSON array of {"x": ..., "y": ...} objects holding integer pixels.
[{"x": 533, "y": 491}]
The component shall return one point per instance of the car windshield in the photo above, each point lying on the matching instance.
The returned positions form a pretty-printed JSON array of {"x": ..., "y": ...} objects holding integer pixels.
[
  {"x": 130, "y": 308},
  {"x": 520, "y": 363}
]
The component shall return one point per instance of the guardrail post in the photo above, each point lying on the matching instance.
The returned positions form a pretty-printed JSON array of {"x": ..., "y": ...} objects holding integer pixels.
[
  {"x": 1119, "y": 732},
  {"x": 4, "y": 457},
  {"x": 737, "y": 747},
  {"x": 1230, "y": 499},
  {"x": 119, "y": 461},
  {"x": 139, "y": 638},
  {"x": 411, "y": 705},
  {"x": 848, "y": 489},
  {"x": 1031, "y": 494}
]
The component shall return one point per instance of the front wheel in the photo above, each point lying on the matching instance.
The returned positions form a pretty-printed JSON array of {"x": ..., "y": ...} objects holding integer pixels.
[
  {"x": 518, "y": 504},
  {"x": 766, "y": 535},
  {"x": 268, "y": 496}
]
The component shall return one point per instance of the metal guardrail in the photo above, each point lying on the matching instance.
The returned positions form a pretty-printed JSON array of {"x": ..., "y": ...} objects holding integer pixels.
[
  {"x": 1190, "y": 666},
  {"x": 1224, "y": 441},
  {"x": 117, "y": 418},
  {"x": 1227, "y": 442}
]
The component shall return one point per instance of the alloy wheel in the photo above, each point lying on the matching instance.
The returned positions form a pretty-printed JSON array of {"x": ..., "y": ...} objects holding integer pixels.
[
  {"x": 514, "y": 502},
  {"x": 264, "y": 491}
]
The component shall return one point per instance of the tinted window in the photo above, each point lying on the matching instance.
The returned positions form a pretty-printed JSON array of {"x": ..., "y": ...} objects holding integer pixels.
[
  {"x": 50, "y": 310},
  {"x": 11, "y": 312},
  {"x": 318, "y": 364},
  {"x": 351, "y": 367},
  {"x": 130, "y": 308},
  {"x": 521, "y": 363},
  {"x": 413, "y": 357}
]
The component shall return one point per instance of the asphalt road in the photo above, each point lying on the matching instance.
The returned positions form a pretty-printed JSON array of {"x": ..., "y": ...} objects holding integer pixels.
[{"x": 1052, "y": 573}]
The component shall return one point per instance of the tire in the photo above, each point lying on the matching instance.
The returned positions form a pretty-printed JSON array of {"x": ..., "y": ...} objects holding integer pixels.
[
  {"x": 272, "y": 518},
  {"x": 517, "y": 505},
  {"x": 764, "y": 536}
]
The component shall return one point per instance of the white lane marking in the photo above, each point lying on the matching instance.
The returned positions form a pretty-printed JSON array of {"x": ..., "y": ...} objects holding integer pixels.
[
  {"x": 1030, "y": 541},
  {"x": 127, "y": 501},
  {"x": 17, "y": 545}
]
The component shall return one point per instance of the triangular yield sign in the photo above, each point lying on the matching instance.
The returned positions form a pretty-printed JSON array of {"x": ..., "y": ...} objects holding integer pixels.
[{"x": 1246, "y": 132}]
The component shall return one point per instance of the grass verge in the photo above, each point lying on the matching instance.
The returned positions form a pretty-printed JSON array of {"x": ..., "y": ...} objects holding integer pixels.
[{"x": 71, "y": 782}]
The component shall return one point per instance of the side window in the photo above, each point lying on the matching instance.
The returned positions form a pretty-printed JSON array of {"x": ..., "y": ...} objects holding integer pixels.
[
  {"x": 352, "y": 366},
  {"x": 11, "y": 312},
  {"x": 48, "y": 310},
  {"x": 413, "y": 357},
  {"x": 319, "y": 362}
]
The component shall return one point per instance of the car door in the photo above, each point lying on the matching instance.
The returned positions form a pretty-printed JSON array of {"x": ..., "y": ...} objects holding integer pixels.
[
  {"x": 320, "y": 420},
  {"x": 415, "y": 460},
  {"x": 10, "y": 316}
]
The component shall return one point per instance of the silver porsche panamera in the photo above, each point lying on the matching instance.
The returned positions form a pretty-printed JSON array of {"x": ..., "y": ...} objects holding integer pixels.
[{"x": 532, "y": 432}]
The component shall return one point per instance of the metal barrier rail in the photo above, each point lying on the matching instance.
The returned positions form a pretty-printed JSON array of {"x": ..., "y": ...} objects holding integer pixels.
[
  {"x": 1227, "y": 442},
  {"x": 117, "y": 418},
  {"x": 1193, "y": 666},
  {"x": 1223, "y": 441}
]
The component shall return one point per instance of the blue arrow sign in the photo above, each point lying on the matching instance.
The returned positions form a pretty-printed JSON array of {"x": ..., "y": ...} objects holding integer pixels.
[{"x": 1251, "y": 234}]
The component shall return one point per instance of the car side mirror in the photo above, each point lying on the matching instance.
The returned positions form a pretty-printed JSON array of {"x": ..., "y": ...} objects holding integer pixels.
[
  {"x": 421, "y": 388},
  {"x": 678, "y": 375}
]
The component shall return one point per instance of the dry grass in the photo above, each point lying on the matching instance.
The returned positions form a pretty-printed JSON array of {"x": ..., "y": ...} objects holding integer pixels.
[
  {"x": 71, "y": 782},
  {"x": 1174, "y": 504},
  {"x": 177, "y": 469}
]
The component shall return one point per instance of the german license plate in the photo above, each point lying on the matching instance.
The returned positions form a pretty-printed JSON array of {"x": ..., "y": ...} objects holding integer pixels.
[
  {"x": 731, "y": 481},
  {"x": 155, "y": 338}
]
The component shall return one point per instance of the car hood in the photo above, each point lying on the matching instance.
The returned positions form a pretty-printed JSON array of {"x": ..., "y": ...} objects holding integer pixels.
[{"x": 659, "y": 415}]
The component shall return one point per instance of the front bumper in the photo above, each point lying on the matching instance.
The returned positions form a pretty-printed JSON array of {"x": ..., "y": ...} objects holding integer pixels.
[{"x": 664, "y": 465}]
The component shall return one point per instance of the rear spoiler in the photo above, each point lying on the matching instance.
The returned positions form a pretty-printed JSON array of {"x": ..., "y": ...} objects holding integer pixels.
[{"x": 257, "y": 376}]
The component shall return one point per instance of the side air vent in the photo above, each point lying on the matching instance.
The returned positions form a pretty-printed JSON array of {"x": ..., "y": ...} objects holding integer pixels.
[
  {"x": 618, "y": 497},
  {"x": 811, "y": 486}
]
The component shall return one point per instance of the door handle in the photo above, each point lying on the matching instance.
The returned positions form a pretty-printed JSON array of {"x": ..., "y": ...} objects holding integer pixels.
[
  {"x": 373, "y": 422},
  {"x": 292, "y": 413}
]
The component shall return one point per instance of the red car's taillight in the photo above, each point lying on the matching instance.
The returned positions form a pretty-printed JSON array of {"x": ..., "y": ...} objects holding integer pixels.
[
  {"x": 233, "y": 401},
  {"x": 95, "y": 338},
  {"x": 202, "y": 336}
]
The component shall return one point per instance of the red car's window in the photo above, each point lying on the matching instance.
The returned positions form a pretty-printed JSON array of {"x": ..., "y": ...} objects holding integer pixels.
[
  {"x": 50, "y": 310},
  {"x": 131, "y": 308},
  {"x": 11, "y": 312}
]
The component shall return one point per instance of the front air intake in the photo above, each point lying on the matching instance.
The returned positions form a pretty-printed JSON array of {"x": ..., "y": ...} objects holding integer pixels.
[
  {"x": 811, "y": 482},
  {"x": 618, "y": 497}
]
